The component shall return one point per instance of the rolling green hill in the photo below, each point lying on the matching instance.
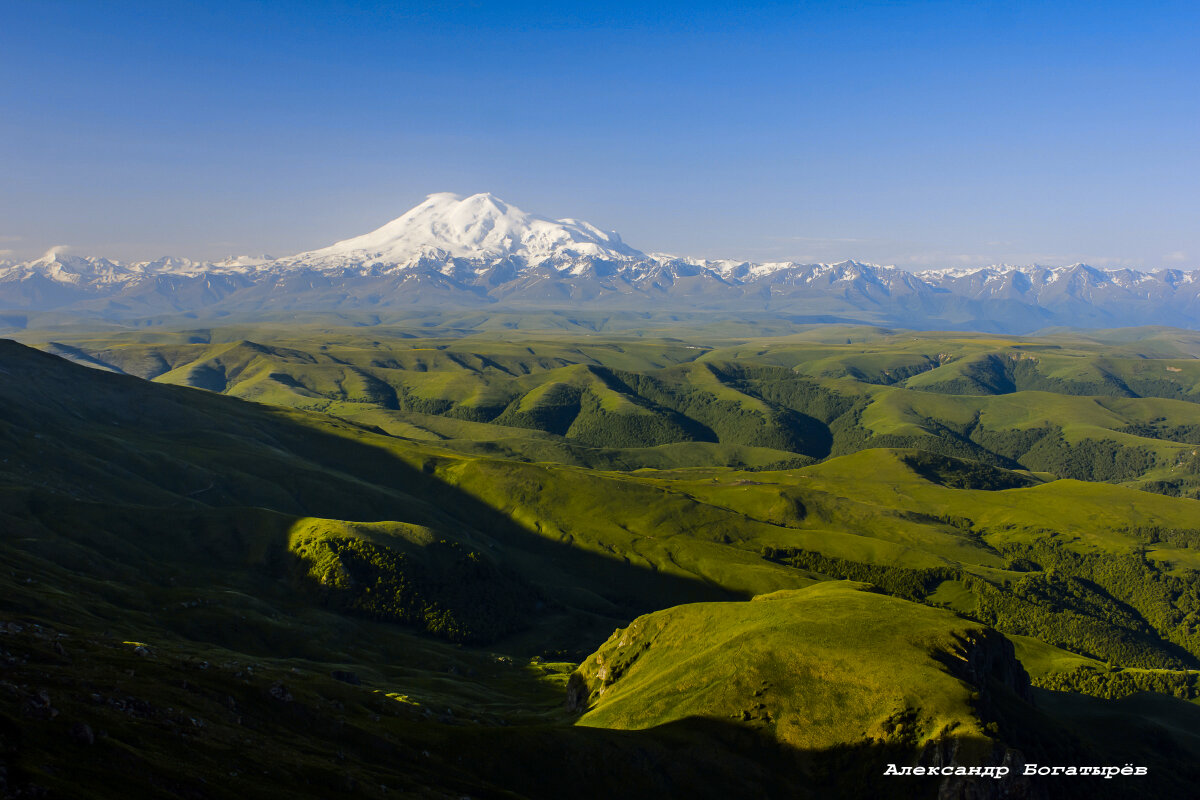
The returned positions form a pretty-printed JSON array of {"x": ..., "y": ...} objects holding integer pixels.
[
  {"x": 1070, "y": 405},
  {"x": 418, "y": 540}
]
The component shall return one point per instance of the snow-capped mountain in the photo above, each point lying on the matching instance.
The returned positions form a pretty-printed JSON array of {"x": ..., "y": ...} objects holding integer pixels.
[
  {"x": 478, "y": 228},
  {"x": 478, "y": 251}
]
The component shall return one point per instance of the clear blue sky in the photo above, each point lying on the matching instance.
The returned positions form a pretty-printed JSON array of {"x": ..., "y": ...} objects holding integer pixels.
[{"x": 916, "y": 133}]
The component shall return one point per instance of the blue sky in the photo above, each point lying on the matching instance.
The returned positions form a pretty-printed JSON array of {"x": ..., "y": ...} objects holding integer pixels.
[{"x": 915, "y": 133}]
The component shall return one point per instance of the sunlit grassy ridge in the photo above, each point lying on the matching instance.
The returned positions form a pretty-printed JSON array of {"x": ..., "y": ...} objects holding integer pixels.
[
  {"x": 830, "y": 663},
  {"x": 1070, "y": 405}
]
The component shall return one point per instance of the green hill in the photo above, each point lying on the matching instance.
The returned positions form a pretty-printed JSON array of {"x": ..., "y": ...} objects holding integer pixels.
[
  {"x": 1067, "y": 404},
  {"x": 890, "y": 685},
  {"x": 417, "y": 576}
]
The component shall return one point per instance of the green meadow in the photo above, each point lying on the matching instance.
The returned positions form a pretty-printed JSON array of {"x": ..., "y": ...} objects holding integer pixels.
[{"x": 543, "y": 555}]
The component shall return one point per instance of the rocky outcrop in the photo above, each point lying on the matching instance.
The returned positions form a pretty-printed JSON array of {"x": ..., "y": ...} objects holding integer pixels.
[
  {"x": 985, "y": 658},
  {"x": 1013, "y": 786}
]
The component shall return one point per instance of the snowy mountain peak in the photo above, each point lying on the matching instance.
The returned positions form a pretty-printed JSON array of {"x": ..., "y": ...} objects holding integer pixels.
[
  {"x": 478, "y": 227},
  {"x": 453, "y": 251},
  {"x": 57, "y": 257}
]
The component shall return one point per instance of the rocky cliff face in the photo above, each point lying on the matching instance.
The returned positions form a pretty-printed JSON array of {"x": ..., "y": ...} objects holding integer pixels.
[
  {"x": 987, "y": 660},
  {"x": 1013, "y": 786}
]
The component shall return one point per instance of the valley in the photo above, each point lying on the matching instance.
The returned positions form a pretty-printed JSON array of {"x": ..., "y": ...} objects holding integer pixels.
[{"x": 338, "y": 554}]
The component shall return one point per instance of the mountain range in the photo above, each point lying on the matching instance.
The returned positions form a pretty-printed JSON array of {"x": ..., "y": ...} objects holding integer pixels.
[{"x": 479, "y": 251}]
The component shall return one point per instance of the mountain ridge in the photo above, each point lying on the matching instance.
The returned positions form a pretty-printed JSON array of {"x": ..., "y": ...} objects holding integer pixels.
[{"x": 453, "y": 251}]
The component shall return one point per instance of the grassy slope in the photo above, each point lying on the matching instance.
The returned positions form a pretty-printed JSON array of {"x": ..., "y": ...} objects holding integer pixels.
[
  {"x": 888, "y": 681},
  {"x": 664, "y": 537},
  {"x": 829, "y": 663},
  {"x": 946, "y": 392}
]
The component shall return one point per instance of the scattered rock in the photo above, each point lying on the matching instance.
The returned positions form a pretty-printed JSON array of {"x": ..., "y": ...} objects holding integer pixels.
[
  {"x": 81, "y": 733},
  {"x": 38, "y": 706}
]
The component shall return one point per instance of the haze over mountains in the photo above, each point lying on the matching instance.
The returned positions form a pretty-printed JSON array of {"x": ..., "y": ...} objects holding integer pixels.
[{"x": 479, "y": 251}]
